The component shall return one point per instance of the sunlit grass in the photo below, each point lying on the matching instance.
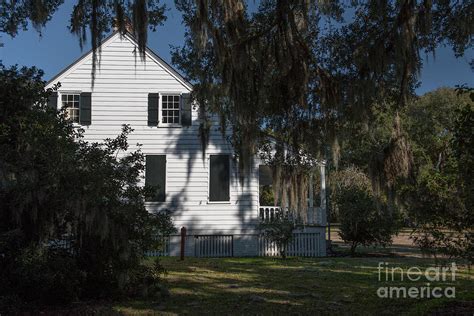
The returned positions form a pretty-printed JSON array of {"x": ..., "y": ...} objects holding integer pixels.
[{"x": 293, "y": 286}]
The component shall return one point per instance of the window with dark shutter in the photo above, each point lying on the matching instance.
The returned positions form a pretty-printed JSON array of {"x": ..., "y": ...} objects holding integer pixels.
[
  {"x": 155, "y": 176},
  {"x": 85, "y": 108},
  {"x": 53, "y": 101},
  {"x": 219, "y": 178},
  {"x": 153, "y": 101}
]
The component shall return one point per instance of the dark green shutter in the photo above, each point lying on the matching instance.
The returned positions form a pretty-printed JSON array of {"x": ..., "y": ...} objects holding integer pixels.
[
  {"x": 53, "y": 101},
  {"x": 265, "y": 175},
  {"x": 153, "y": 100},
  {"x": 85, "y": 107},
  {"x": 219, "y": 181},
  {"x": 186, "y": 109},
  {"x": 155, "y": 176}
]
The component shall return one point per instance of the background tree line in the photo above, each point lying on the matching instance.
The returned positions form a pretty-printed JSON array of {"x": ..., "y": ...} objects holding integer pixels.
[{"x": 437, "y": 201}]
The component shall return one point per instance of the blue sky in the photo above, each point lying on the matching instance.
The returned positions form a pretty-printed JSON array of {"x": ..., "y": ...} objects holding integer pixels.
[{"x": 56, "y": 48}]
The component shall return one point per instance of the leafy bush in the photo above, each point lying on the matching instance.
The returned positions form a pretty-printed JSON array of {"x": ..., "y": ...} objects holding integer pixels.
[
  {"x": 266, "y": 195},
  {"x": 362, "y": 221},
  {"x": 279, "y": 230},
  {"x": 54, "y": 185},
  {"x": 49, "y": 276},
  {"x": 144, "y": 280}
]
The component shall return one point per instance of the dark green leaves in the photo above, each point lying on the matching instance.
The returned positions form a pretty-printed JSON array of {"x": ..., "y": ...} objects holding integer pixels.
[{"x": 54, "y": 185}]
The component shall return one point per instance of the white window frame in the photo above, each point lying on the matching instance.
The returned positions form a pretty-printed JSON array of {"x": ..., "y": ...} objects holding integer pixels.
[
  {"x": 160, "y": 109},
  {"x": 209, "y": 178},
  {"x": 60, "y": 102}
]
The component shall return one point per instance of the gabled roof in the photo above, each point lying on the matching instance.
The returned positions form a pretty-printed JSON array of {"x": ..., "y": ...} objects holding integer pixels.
[{"x": 148, "y": 51}]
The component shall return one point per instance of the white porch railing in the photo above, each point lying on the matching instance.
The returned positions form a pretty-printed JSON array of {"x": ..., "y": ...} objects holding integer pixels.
[{"x": 268, "y": 213}]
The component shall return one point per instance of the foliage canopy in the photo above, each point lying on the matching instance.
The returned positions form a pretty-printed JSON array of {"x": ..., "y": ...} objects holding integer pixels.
[
  {"x": 298, "y": 70},
  {"x": 55, "y": 186}
]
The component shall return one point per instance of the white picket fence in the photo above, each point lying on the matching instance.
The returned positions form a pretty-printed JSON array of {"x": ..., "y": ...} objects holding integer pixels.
[
  {"x": 214, "y": 246},
  {"x": 302, "y": 245}
]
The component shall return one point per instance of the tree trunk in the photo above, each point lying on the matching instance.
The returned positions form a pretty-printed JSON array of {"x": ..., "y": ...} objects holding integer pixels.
[
  {"x": 353, "y": 249},
  {"x": 282, "y": 251}
]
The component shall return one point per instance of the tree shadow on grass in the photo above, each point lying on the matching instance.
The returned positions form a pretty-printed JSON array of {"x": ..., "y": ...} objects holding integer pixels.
[
  {"x": 97, "y": 308},
  {"x": 272, "y": 286}
]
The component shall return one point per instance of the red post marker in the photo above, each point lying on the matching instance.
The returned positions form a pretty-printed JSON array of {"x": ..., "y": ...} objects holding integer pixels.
[{"x": 183, "y": 240}]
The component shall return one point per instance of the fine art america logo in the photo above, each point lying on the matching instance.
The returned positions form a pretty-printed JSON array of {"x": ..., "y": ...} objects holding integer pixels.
[{"x": 434, "y": 281}]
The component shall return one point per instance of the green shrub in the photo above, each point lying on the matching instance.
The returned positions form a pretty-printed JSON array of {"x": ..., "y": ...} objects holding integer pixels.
[
  {"x": 279, "y": 230},
  {"x": 144, "y": 280},
  {"x": 266, "y": 195},
  {"x": 363, "y": 222},
  {"x": 41, "y": 275},
  {"x": 44, "y": 276},
  {"x": 54, "y": 184}
]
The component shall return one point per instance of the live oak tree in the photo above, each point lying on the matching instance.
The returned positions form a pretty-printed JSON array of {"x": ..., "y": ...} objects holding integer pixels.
[
  {"x": 296, "y": 69},
  {"x": 54, "y": 186},
  {"x": 300, "y": 71}
]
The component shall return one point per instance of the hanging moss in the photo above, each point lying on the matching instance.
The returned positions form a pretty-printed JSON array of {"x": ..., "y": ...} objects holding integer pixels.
[
  {"x": 295, "y": 68},
  {"x": 98, "y": 17}
]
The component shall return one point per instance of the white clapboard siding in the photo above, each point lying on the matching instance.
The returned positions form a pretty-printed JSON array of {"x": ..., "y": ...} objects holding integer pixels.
[{"x": 120, "y": 96}]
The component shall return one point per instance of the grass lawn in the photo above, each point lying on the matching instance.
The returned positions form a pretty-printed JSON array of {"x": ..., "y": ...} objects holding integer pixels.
[{"x": 295, "y": 286}]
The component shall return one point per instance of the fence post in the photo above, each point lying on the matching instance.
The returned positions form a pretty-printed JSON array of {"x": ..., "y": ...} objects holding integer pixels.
[
  {"x": 323, "y": 196},
  {"x": 313, "y": 219},
  {"x": 183, "y": 241}
]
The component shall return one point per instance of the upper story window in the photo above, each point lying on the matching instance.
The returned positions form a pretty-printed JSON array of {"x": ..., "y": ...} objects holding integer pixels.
[
  {"x": 170, "y": 109},
  {"x": 71, "y": 102}
]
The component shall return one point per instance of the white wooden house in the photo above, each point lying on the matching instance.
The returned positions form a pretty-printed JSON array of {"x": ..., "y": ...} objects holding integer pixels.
[{"x": 203, "y": 193}]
